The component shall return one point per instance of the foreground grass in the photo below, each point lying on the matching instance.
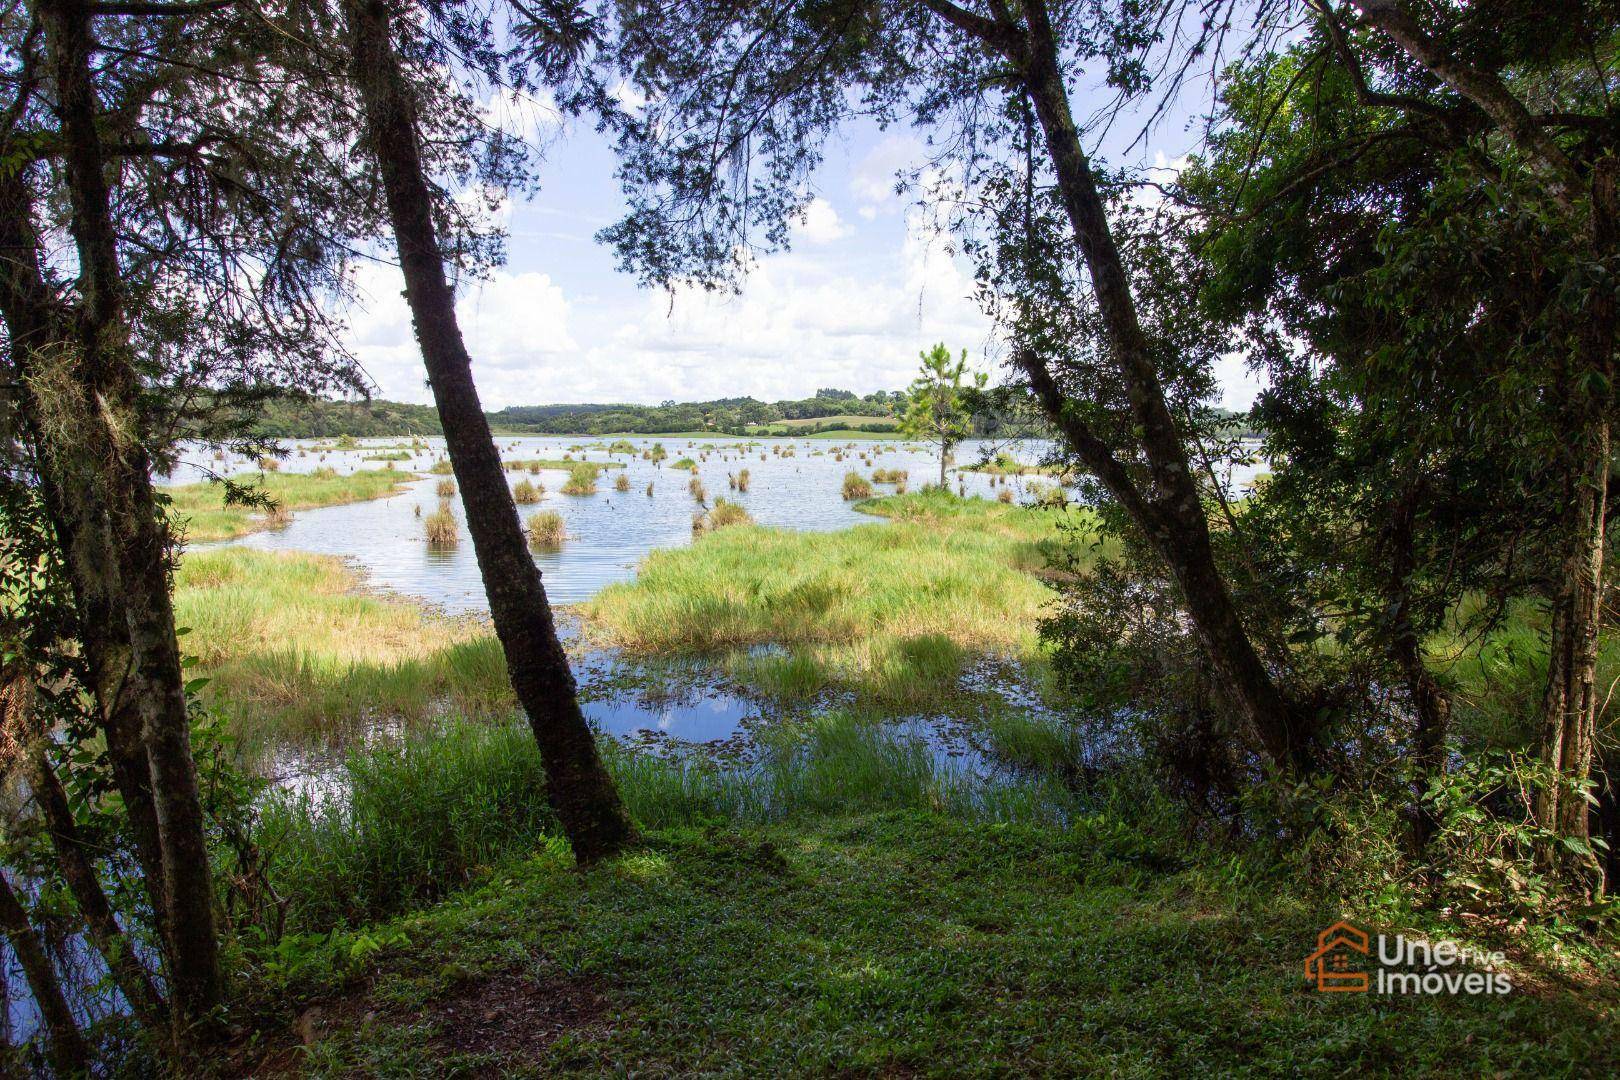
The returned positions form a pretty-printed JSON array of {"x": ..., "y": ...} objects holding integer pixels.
[
  {"x": 901, "y": 942},
  {"x": 892, "y": 612},
  {"x": 201, "y": 511},
  {"x": 294, "y": 651}
]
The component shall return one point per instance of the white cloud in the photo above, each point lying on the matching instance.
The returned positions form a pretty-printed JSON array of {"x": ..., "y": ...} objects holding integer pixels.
[
  {"x": 873, "y": 180},
  {"x": 820, "y": 223},
  {"x": 802, "y": 321}
]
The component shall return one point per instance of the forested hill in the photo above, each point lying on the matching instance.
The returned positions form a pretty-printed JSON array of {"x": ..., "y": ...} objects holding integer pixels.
[{"x": 293, "y": 419}]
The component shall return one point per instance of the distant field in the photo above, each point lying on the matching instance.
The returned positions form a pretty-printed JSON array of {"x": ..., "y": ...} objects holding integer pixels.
[{"x": 889, "y": 424}]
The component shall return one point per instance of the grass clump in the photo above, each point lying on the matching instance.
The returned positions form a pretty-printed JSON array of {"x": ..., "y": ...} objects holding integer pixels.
[
  {"x": 442, "y": 467},
  {"x": 723, "y": 514},
  {"x": 856, "y": 487},
  {"x": 546, "y": 529},
  {"x": 446, "y": 489},
  {"x": 526, "y": 493},
  {"x": 200, "y": 509},
  {"x": 890, "y": 476},
  {"x": 442, "y": 528},
  {"x": 695, "y": 486},
  {"x": 621, "y": 482},
  {"x": 684, "y": 463},
  {"x": 581, "y": 480},
  {"x": 743, "y": 480}
]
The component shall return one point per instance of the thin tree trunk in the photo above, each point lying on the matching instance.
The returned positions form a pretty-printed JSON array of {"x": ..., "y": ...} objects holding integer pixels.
[
  {"x": 76, "y": 860},
  {"x": 41, "y": 335},
  {"x": 577, "y": 783},
  {"x": 104, "y": 370},
  {"x": 69, "y": 1055},
  {"x": 1170, "y": 514},
  {"x": 1431, "y": 705}
]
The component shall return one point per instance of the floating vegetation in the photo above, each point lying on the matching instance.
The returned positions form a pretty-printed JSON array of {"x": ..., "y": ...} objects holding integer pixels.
[
  {"x": 856, "y": 487},
  {"x": 546, "y": 529},
  {"x": 684, "y": 463},
  {"x": 526, "y": 493}
]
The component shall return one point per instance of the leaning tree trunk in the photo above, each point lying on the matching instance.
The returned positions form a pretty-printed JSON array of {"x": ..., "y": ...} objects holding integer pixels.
[
  {"x": 577, "y": 783},
  {"x": 76, "y": 858},
  {"x": 69, "y": 1055},
  {"x": 1170, "y": 513},
  {"x": 102, "y": 372}
]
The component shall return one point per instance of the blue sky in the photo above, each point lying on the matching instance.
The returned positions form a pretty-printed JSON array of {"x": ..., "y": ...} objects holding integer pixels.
[{"x": 867, "y": 285}]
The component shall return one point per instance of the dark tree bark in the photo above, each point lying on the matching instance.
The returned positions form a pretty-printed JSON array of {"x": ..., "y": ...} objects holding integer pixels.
[
  {"x": 1170, "y": 514},
  {"x": 77, "y": 861},
  {"x": 1431, "y": 705},
  {"x": 577, "y": 783},
  {"x": 103, "y": 371},
  {"x": 40, "y": 328},
  {"x": 69, "y": 1055}
]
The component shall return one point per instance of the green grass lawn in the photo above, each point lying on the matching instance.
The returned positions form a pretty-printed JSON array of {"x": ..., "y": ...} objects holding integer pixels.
[
  {"x": 895, "y": 944},
  {"x": 201, "y": 511}
]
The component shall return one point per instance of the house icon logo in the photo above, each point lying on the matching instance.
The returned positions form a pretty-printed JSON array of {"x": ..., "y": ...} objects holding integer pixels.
[{"x": 1330, "y": 965}]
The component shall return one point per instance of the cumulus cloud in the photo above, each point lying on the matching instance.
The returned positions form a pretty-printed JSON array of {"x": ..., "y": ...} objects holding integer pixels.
[
  {"x": 873, "y": 179},
  {"x": 820, "y": 223},
  {"x": 802, "y": 321}
]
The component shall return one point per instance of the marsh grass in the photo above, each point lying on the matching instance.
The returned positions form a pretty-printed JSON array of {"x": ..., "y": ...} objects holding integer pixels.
[
  {"x": 891, "y": 612},
  {"x": 296, "y": 653},
  {"x": 724, "y": 513},
  {"x": 526, "y": 493},
  {"x": 743, "y": 480},
  {"x": 695, "y": 486},
  {"x": 581, "y": 480},
  {"x": 442, "y": 528},
  {"x": 856, "y": 487},
  {"x": 445, "y": 489},
  {"x": 621, "y": 482},
  {"x": 200, "y": 510},
  {"x": 426, "y": 814},
  {"x": 546, "y": 529}
]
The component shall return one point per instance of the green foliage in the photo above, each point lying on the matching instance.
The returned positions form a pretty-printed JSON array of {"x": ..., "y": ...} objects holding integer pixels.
[{"x": 938, "y": 406}]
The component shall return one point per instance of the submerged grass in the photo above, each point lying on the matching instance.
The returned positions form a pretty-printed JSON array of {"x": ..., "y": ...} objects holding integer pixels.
[
  {"x": 295, "y": 653},
  {"x": 200, "y": 510},
  {"x": 892, "y": 611}
]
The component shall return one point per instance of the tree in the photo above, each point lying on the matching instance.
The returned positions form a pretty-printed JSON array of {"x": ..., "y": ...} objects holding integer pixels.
[
  {"x": 741, "y": 99},
  {"x": 577, "y": 782},
  {"x": 936, "y": 411}
]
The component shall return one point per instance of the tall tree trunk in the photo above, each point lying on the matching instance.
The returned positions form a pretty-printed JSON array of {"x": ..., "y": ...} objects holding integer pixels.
[
  {"x": 104, "y": 370},
  {"x": 77, "y": 862},
  {"x": 577, "y": 783},
  {"x": 41, "y": 334},
  {"x": 1431, "y": 705},
  {"x": 1170, "y": 514},
  {"x": 69, "y": 1055}
]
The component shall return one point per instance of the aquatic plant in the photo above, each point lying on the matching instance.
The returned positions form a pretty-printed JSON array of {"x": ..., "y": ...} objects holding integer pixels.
[
  {"x": 856, "y": 487},
  {"x": 443, "y": 530},
  {"x": 695, "y": 486},
  {"x": 546, "y": 529},
  {"x": 742, "y": 480},
  {"x": 445, "y": 489},
  {"x": 722, "y": 514},
  {"x": 525, "y": 493},
  {"x": 581, "y": 480},
  {"x": 268, "y": 463},
  {"x": 621, "y": 482}
]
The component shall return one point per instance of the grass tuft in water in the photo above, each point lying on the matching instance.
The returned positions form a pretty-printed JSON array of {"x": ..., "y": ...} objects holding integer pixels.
[{"x": 546, "y": 529}]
